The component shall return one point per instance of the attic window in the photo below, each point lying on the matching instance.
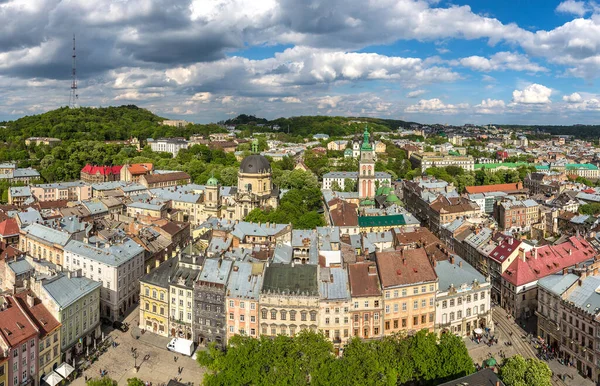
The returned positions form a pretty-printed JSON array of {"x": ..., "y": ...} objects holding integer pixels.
[
  {"x": 7, "y": 331},
  {"x": 20, "y": 326}
]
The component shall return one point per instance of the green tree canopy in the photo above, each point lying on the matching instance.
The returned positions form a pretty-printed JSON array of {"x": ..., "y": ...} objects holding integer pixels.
[
  {"x": 517, "y": 371},
  {"x": 103, "y": 381}
]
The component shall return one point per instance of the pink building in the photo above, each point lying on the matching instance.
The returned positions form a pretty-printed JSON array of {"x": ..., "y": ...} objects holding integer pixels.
[
  {"x": 19, "y": 341},
  {"x": 70, "y": 191}
]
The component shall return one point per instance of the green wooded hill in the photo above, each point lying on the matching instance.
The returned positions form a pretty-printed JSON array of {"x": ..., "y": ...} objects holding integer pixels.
[
  {"x": 85, "y": 123},
  {"x": 305, "y": 126}
]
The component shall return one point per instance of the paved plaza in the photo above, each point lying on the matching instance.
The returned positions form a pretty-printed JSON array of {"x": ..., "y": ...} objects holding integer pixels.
[
  {"x": 506, "y": 330},
  {"x": 158, "y": 368}
]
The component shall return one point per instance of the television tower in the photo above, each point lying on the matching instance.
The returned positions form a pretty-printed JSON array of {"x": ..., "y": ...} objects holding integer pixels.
[{"x": 74, "y": 95}]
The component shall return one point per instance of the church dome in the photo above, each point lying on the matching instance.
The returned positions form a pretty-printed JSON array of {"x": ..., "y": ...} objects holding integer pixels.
[
  {"x": 255, "y": 164},
  {"x": 392, "y": 198},
  {"x": 212, "y": 181}
]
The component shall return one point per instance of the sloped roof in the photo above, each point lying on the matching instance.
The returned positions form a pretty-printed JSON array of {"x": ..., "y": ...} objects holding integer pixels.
[
  {"x": 9, "y": 227},
  {"x": 404, "y": 267},
  {"x": 494, "y": 188},
  {"x": 102, "y": 170}
]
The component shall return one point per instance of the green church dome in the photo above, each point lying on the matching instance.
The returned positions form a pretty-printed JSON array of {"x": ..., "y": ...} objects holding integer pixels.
[
  {"x": 212, "y": 181},
  {"x": 392, "y": 198}
]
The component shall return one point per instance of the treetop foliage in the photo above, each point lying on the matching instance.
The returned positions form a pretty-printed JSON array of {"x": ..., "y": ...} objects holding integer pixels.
[{"x": 308, "y": 359}]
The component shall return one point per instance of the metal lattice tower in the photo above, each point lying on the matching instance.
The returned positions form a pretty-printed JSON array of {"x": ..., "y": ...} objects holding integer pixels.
[{"x": 73, "y": 100}]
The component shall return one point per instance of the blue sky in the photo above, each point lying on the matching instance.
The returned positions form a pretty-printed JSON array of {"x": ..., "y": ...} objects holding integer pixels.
[{"x": 430, "y": 61}]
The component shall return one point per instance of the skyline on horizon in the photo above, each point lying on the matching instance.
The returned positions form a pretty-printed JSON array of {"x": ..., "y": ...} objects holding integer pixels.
[{"x": 427, "y": 61}]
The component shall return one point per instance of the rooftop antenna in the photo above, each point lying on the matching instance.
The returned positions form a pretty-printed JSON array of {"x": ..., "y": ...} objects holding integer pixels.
[{"x": 74, "y": 96}]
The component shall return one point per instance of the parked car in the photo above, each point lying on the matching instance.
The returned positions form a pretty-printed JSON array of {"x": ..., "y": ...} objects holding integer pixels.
[{"x": 121, "y": 326}]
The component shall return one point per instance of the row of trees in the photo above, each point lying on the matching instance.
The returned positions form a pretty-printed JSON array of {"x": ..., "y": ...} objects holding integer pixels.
[
  {"x": 461, "y": 178},
  {"x": 308, "y": 358}
]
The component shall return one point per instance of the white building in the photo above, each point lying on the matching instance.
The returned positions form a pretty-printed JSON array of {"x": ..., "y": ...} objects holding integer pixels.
[
  {"x": 340, "y": 177},
  {"x": 168, "y": 145},
  {"x": 117, "y": 266},
  {"x": 463, "y": 298},
  {"x": 425, "y": 161}
]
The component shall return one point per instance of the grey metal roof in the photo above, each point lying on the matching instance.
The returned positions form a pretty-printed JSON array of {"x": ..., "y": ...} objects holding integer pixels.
[
  {"x": 48, "y": 235},
  {"x": 95, "y": 207},
  {"x": 333, "y": 283},
  {"x": 456, "y": 275},
  {"x": 242, "y": 283},
  {"x": 244, "y": 228},
  {"x": 108, "y": 185},
  {"x": 476, "y": 239},
  {"x": 115, "y": 255},
  {"x": 216, "y": 271},
  {"x": 559, "y": 283},
  {"x": 283, "y": 253},
  {"x": 586, "y": 296},
  {"x": 160, "y": 276},
  {"x": 20, "y": 191},
  {"x": 66, "y": 291},
  {"x": 176, "y": 194},
  {"x": 30, "y": 216},
  {"x": 132, "y": 188},
  {"x": 61, "y": 185},
  {"x": 145, "y": 205},
  {"x": 354, "y": 175},
  {"x": 25, "y": 172},
  {"x": 20, "y": 266}
]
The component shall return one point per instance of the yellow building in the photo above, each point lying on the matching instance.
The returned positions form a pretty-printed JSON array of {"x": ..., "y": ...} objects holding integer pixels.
[
  {"x": 3, "y": 370},
  {"x": 154, "y": 300},
  {"x": 409, "y": 285}
]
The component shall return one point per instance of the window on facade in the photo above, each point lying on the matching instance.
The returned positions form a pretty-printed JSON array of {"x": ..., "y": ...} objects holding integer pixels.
[
  {"x": 459, "y": 301},
  {"x": 445, "y": 304},
  {"x": 415, "y": 321},
  {"x": 415, "y": 304},
  {"x": 424, "y": 303},
  {"x": 303, "y": 316},
  {"x": 451, "y": 302},
  {"x": 283, "y": 314},
  {"x": 415, "y": 290}
]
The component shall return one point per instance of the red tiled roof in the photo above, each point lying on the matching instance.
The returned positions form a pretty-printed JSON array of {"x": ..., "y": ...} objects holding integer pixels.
[
  {"x": 103, "y": 170},
  {"x": 547, "y": 260},
  {"x": 10, "y": 252},
  {"x": 140, "y": 168},
  {"x": 9, "y": 227},
  {"x": 15, "y": 327},
  {"x": 38, "y": 313},
  {"x": 505, "y": 249},
  {"x": 404, "y": 267},
  {"x": 494, "y": 188},
  {"x": 363, "y": 283}
]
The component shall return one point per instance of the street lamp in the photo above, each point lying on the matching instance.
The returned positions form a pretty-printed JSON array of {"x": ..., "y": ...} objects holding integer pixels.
[{"x": 135, "y": 355}]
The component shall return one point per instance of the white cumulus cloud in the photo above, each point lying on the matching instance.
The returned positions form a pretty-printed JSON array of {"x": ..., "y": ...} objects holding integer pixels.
[
  {"x": 415, "y": 93},
  {"x": 532, "y": 94},
  {"x": 434, "y": 105},
  {"x": 501, "y": 61},
  {"x": 573, "y": 98},
  {"x": 574, "y": 7}
]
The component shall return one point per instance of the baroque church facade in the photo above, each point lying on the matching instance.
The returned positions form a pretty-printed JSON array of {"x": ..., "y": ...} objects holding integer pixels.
[{"x": 254, "y": 189}]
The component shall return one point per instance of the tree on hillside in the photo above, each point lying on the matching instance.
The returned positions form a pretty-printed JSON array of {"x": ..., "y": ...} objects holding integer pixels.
[{"x": 335, "y": 186}]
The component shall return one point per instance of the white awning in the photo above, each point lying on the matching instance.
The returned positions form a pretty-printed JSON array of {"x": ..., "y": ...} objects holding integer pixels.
[
  {"x": 53, "y": 379},
  {"x": 64, "y": 369}
]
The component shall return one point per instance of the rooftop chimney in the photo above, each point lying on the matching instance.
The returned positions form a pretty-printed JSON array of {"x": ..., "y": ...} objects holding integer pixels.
[
  {"x": 30, "y": 300},
  {"x": 522, "y": 254}
]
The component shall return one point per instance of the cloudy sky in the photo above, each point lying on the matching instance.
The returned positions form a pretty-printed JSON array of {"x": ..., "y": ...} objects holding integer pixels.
[{"x": 461, "y": 61}]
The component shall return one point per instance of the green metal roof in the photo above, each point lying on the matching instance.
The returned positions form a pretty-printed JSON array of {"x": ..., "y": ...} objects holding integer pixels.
[
  {"x": 582, "y": 166},
  {"x": 377, "y": 221},
  {"x": 392, "y": 198},
  {"x": 367, "y": 202},
  {"x": 212, "y": 182}
]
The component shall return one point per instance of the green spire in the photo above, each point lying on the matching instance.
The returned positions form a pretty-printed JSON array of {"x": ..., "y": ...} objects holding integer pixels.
[
  {"x": 366, "y": 145},
  {"x": 255, "y": 146}
]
